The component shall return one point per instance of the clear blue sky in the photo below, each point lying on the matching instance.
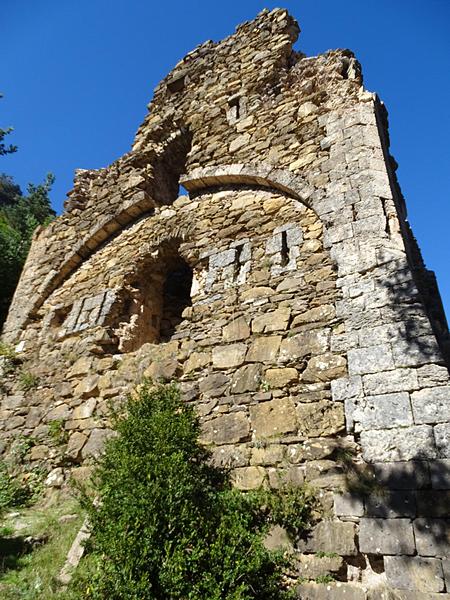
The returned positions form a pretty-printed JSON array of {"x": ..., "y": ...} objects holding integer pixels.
[{"x": 77, "y": 75}]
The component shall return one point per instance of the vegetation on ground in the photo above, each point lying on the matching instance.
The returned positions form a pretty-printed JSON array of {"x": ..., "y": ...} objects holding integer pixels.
[{"x": 33, "y": 546}]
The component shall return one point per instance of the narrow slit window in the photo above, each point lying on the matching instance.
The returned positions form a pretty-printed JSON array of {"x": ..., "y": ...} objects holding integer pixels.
[
  {"x": 237, "y": 262},
  {"x": 235, "y": 108},
  {"x": 284, "y": 249}
]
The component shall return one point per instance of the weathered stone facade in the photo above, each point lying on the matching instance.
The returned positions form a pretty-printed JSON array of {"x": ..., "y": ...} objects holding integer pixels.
[{"x": 285, "y": 292}]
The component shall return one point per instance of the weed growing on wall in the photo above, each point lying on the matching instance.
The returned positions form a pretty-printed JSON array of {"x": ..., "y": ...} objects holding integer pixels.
[
  {"x": 168, "y": 524},
  {"x": 28, "y": 381}
]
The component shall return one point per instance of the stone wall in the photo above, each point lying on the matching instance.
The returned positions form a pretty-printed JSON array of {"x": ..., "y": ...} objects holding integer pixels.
[{"x": 286, "y": 293}]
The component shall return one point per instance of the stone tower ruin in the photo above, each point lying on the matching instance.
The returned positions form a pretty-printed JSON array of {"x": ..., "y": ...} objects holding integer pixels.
[{"x": 285, "y": 291}]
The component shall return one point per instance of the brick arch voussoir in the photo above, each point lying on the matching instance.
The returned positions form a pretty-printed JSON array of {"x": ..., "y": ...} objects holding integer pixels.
[{"x": 262, "y": 174}]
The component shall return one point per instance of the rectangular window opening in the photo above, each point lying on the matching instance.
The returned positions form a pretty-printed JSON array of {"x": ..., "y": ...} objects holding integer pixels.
[{"x": 284, "y": 249}]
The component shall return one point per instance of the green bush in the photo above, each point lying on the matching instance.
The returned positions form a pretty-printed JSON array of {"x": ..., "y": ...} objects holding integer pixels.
[
  {"x": 57, "y": 433},
  {"x": 12, "y": 492},
  {"x": 167, "y": 525}
]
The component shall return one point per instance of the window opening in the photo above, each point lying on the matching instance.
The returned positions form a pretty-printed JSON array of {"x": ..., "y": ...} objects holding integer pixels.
[
  {"x": 237, "y": 262},
  {"x": 177, "y": 83},
  {"x": 235, "y": 108},
  {"x": 169, "y": 167},
  {"x": 154, "y": 301},
  {"x": 284, "y": 249}
]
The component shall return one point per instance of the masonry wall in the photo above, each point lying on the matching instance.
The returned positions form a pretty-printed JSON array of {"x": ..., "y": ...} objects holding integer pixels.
[{"x": 311, "y": 338}]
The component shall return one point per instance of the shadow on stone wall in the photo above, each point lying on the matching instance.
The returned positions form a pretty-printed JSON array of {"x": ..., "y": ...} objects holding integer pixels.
[{"x": 406, "y": 501}]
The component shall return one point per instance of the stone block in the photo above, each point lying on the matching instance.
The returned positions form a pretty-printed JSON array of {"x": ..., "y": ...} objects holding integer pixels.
[
  {"x": 55, "y": 478},
  {"x": 330, "y": 536},
  {"x": 348, "y": 505},
  {"x": 373, "y": 359},
  {"x": 264, "y": 349},
  {"x": 93, "y": 448},
  {"x": 310, "y": 566},
  {"x": 440, "y": 474},
  {"x": 409, "y": 475},
  {"x": 303, "y": 344},
  {"x": 34, "y": 417},
  {"x": 164, "y": 370},
  {"x": 222, "y": 259},
  {"x": 230, "y": 456},
  {"x": 13, "y": 402},
  {"x": 236, "y": 331},
  {"x": 330, "y": 591},
  {"x": 409, "y": 595},
  {"x": 442, "y": 437},
  {"x": 312, "y": 449},
  {"x": 433, "y": 503},
  {"x": 39, "y": 452},
  {"x": 279, "y": 478},
  {"x": 383, "y": 412},
  {"x": 268, "y": 455},
  {"x": 323, "y": 418},
  {"x": 431, "y": 405},
  {"x": 85, "y": 409},
  {"x": 214, "y": 385},
  {"x": 413, "y": 353},
  {"x": 431, "y": 375},
  {"x": 226, "y": 429},
  {"x": 414, "y": 573},
  {"x": 248, "y": 478},
  {"x": 196, "y": 361},
  {"x": 246, "y": 379},
  {"x": 278, "y": 539},
  {"x": 432, "y": 537},
  {"x": 278, "y": 378},
  {"x": 389, "y": 505},
  {"x": 273, "y": 418},
  {"x": 228, "y": 357},
  {"x": 256, "y": 293},
  {"x": 323, "y": 313},
  {"x": 446, "y": 570},
  {"x": 87, "y": 387},
  {"x": 346, "y": 388},
  {"x": 76, "y": 442},
  {"x": 81, "y": 367},
  {"x": 61, "y": 412},
  {"x": 239, "y": 142},
  {"x": 276, "y": 320},
  {"x": 398, "y": 380},
  {"x": 407, "y": 443},
  {"x": 386, "y": 536},
  {"x": 324, "y": 367}
]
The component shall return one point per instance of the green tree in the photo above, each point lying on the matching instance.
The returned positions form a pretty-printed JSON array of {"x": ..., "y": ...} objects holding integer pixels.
[
  {"x": 3, "y": 133},
  {"x": 167, "y": 524},
  {"x": 19, "y": 216}
]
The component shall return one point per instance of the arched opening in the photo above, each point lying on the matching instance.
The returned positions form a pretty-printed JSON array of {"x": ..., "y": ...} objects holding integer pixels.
[
  {"x": 170, "y": 165},
  {"x": 154, "y": 301}
]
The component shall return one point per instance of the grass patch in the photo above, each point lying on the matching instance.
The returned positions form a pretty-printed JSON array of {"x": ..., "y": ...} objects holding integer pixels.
[
  {"x": 33, "y": 575},
  {"x": 28, "y": 381}
]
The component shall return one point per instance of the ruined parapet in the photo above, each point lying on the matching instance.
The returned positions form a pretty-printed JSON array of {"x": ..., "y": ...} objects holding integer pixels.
[{"x": 286, "y": 293}]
